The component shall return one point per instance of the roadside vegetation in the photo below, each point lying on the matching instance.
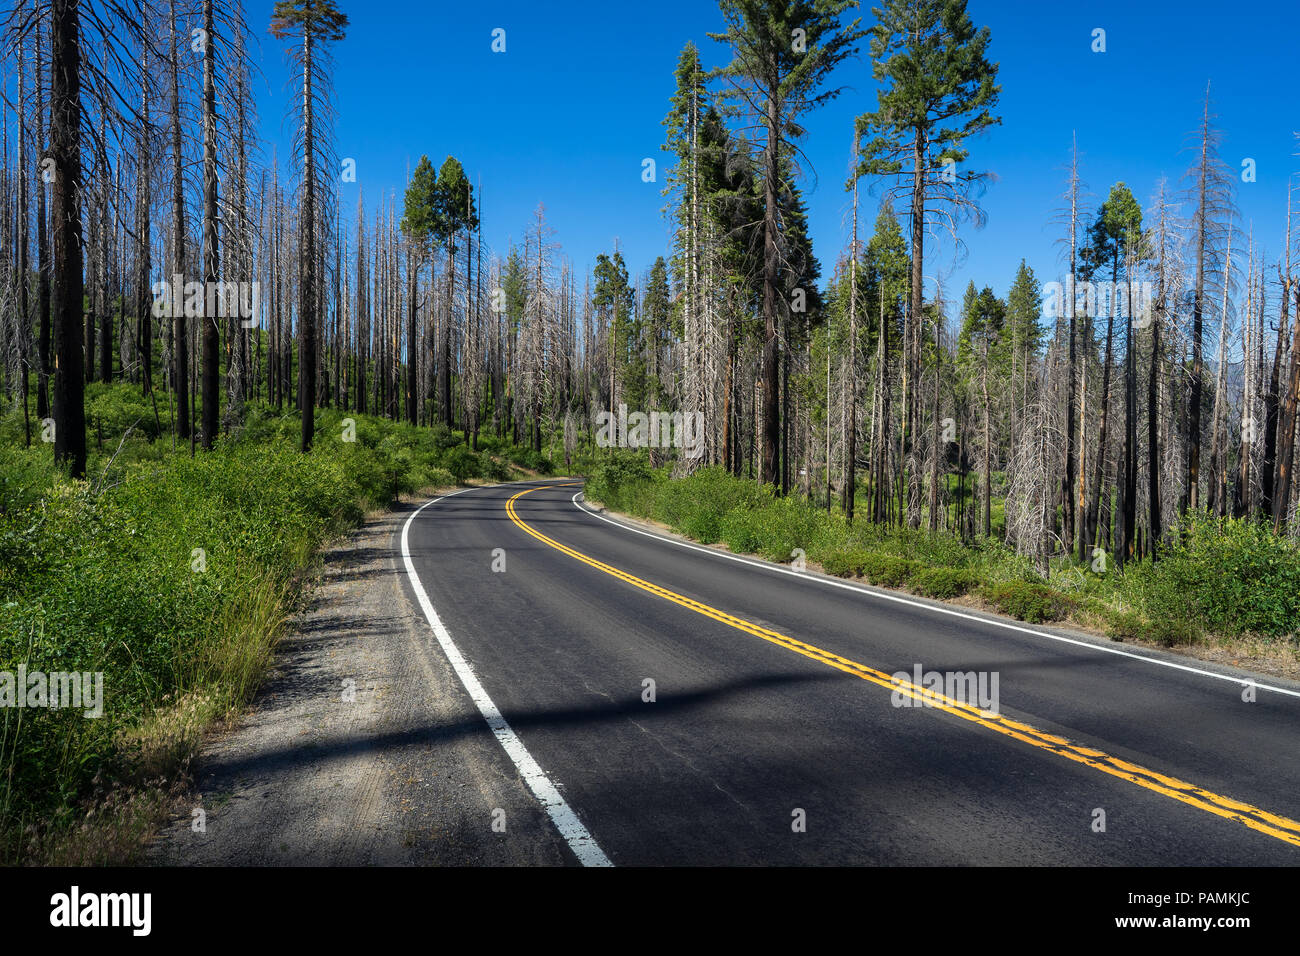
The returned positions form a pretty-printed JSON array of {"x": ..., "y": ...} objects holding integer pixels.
[
  {"x": 174, "y": 576},
  {"x": 1214, "y": 578}
]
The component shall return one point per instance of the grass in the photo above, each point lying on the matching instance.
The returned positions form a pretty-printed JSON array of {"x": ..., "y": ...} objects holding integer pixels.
[{"x": 175, "y": 577}]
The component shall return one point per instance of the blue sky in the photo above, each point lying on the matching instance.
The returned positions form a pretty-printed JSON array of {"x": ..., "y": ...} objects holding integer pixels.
[{"x": 567, "y": 114}]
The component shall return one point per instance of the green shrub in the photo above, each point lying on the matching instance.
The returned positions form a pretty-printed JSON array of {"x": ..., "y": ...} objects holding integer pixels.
[
  {"x": 494, "y": 470},
  {"x": 1230, "y": 575},
  {"x": 147, "y": 583},
  {"x": 532, "y": 460},
  {"x": 462, "y": 463},
  {"x": 795, "y": 523},
  {"x": 741, "y": 528},
  {"x": 1028, "y": 601},
  {"x": 943, "y": 583},
  {"x": 436, "y": 478},
  {"x": 444, "y": 438},
  {"x": 384, "y": 474},
  {"x": 1125, "y": 625},
  {"x": 844, "y": 564},
  {"x": 26, "y": 476},
  {"x": 112, "y": 409},
  {"x": 889, "y": 570},
  {"x": 614, "y": 475},
  {"x": 696, "y": 505}
]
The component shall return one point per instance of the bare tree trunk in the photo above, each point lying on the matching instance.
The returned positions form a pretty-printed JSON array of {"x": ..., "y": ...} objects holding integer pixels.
[
  {"x": 1193, "y": 492},
  {"x": 1154, "y": 529},
  {"x": 1128, "y": 510},
  {"x": 1282, "y": 499},
  {"x": 307, "y": 260},
  {"x": 24, "y": 323},
  {"x": 42, "y": 247},
  {"x": 211, "y": 335},
  {"x": 143, "y": 252},
  {"x": 444, "y": 369},
  {"x": 65, "y": 150},
  {"x": 911, "y": 338},
  {"x": 1218, "y": 438},
  {"x": 1096, "y": 525},
  {"x": 851, "y": 426},
  {"x": 770, "y": 415},
  {"x": 987, "y": 487},
  {"x": 1242, "y": 494},
  {"x": 412, "y": 293},
  {"x": 106, "y": 325},
  {"x": 180, "y": 352},
  {"x": 935, "y": 449},
  {"x": 880, "y": 454},
  {"x": 1268, "y": 466},
  {"x": 1068, "y": 480}
]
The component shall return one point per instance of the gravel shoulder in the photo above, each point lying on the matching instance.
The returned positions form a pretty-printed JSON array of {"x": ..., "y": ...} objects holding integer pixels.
[{"x": 405, "y": 772}]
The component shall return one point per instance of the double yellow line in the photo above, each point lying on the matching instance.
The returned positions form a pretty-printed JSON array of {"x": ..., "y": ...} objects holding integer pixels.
[{"x": 1257, "y": 819}]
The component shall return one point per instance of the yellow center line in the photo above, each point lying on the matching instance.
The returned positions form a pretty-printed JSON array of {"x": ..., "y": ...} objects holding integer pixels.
[{"x": 1279, "y": 827}]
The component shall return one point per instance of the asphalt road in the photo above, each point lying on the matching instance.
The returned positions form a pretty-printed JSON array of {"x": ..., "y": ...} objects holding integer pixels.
[{"x": 769, "y": 710}]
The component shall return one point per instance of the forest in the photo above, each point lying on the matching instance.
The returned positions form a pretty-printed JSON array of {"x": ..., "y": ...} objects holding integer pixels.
[{"x": 173, "y": 293}]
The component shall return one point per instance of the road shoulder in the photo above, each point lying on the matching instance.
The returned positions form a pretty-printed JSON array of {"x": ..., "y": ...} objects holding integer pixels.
[{"x": 362, "y": 748}]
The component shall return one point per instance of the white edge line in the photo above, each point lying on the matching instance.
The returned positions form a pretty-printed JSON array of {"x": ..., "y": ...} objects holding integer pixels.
[
  {"x": 581, "y": 842},
  {"x": 830, "y": 582}
]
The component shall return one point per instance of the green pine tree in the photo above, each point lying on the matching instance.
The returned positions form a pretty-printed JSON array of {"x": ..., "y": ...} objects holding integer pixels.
[
  {"x": 937, "y": 90},
  {"x": 782, "y": 56}
]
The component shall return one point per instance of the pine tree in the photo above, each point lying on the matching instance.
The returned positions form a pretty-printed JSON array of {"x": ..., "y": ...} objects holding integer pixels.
[
  {"x": 656, "y": 310},
  {"x": 419, "y": 226},
  {"x": 782, "y": 55},
  {"x": 887, "y": 270},
  {"x": 937, "y": 91},
  {"x": 1025, "y": 332},
  {"x": 453, "y": 211}
]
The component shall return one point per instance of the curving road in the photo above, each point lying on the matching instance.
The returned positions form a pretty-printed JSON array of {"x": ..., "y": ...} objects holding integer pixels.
[{"x": 775, "y": 734}]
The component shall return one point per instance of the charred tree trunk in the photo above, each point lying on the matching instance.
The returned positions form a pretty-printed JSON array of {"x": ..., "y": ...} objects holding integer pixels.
[
  {"x": 211, "y": 334},
  {"x": 65, "y": 150},
  {"x": 180, "y": 352}
]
